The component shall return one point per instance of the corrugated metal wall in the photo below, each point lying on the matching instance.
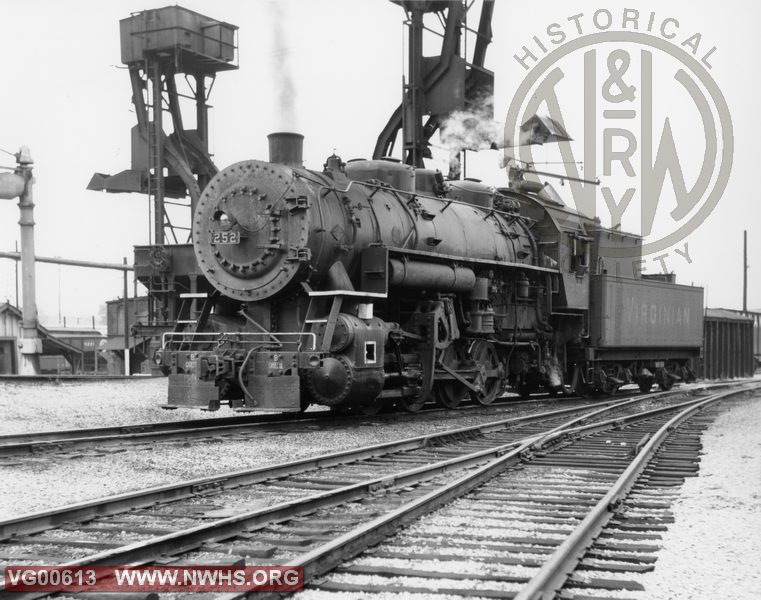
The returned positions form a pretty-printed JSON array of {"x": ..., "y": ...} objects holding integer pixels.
[
  {"x": 756, "y": 334},
  {"x": 727, "y": 348},
  {"x": 10, "y": 332}
]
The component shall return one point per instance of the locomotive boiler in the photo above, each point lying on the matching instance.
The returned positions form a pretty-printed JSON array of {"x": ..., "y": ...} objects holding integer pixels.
[{"x": 366, "y": 283}]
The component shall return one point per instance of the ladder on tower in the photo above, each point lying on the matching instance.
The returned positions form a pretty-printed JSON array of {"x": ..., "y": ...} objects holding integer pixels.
[{"x": 155, "y": 146}]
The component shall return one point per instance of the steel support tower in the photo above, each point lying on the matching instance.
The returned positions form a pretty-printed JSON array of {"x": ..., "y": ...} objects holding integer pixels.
[{"x": 173, "y": 56}]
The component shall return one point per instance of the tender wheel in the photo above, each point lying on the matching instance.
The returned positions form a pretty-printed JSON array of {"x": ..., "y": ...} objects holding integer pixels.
[
  {"x": 688, "y": 375},
  {"x": 449, "y": 393},
  {"x": 645, "y": 385},
  {"x": 664, "y": 381},
  {"x": 609, "y": 388},
  {"x": 489, "y": 378}
]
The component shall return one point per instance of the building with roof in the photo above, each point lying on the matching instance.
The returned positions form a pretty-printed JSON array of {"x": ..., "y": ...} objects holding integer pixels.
[
  {"x": 140, "y": 347},
  {"x": 52, "y": 345},
  {"x": 728, "y": 343},
  {"x": 89, "y": 340}
]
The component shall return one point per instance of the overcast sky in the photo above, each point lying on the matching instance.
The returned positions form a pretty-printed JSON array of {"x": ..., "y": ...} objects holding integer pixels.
[{"x": 67, "y": 96}]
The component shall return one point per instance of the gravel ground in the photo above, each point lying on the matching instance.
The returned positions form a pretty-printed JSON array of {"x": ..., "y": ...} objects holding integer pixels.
[
  {"x": 48, "y": 406},
  {"x": 30, "y": 406},
  {"x": 41, "y": 484},
  {"x": 713, "y": 549}
]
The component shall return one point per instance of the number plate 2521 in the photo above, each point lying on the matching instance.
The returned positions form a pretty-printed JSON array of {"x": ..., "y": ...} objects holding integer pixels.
[{"x": 225, "y": 237}]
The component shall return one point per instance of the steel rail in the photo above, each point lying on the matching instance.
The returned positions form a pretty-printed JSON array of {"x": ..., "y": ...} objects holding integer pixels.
[
  {"x": 29, "y": 443},
  {"x": 561, "y": 564},
  {"x": 323, "y": 559},
  {"x": 33, "y": 443},
  {"x": 19, "y": 444},
  {"x": 39, "y": 521},
  {"x": 64, "y": 435},
  {"x": 185, "y": 540}
]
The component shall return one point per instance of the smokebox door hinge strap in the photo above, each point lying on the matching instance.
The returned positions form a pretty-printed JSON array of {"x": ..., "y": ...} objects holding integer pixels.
[
  {"x": 296, "y": 203},
  {"x": 299, "y": 254}
]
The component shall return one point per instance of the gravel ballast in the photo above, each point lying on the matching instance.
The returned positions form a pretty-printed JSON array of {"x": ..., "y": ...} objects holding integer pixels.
[
  {"x": 48, "y": 406},
  {"x": 49, "y": 482},
  {"x": 713, "y": 548}
]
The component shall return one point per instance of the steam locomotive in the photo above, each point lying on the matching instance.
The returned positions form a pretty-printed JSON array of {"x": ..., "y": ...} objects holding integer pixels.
[{"x": 373, "y": 282}]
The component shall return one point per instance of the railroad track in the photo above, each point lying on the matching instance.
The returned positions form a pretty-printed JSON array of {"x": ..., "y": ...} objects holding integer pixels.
[
  {"x": 330, "y": 504},
  {"x": 71, "y": 442},
  {"x": 76, "y": 443},
  {"x": 93, "y": 442},
  {"x": 580, "y": 518}
]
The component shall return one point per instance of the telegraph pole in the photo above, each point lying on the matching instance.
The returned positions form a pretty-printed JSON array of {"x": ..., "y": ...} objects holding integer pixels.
[
  {"x": 15, "y": 264},
  {"x": 126, "y": 320},
  {"x": 745, "y": 271}
]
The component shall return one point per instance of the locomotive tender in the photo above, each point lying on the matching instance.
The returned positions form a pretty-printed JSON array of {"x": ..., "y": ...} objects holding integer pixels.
[{"x": 372, "y": 282}]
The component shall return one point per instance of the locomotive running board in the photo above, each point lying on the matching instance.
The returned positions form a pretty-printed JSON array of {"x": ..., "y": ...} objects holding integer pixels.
[{"x": 353, "y": 293}]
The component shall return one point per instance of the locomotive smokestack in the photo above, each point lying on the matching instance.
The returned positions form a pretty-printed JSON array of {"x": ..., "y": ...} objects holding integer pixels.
[{"x": 286, "y": 148}]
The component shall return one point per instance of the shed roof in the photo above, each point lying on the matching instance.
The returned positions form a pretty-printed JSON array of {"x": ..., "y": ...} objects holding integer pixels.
[
  {"x": 51, "y": 344},
  {"x": 726, "y": 314}
]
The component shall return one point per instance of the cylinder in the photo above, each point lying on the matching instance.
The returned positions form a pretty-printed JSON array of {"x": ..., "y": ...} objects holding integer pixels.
[
  {"x": 286, "y": 148},
  {"x": 430, "y": 276}
]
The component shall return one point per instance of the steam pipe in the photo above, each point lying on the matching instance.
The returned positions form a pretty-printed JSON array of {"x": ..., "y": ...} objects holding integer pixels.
[{"x": 71, "y": 262}]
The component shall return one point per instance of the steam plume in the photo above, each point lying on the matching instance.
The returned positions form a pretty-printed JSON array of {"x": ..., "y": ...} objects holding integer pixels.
[
  {"x": 471, "y": 129},
  {"x": 475, "y": 129},
  {"x": 281, "y": 68}
]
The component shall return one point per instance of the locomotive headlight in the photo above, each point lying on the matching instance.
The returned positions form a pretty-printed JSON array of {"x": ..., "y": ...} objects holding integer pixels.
[{"x": 314, "y": 360}]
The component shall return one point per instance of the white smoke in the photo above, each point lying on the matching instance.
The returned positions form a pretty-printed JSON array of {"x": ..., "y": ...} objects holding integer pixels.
[
  {"x": 476, "y": 129},
  {"x": 281, "y": 68},
  {"x": 471, "y": 129}
]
